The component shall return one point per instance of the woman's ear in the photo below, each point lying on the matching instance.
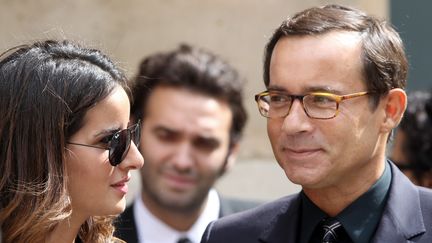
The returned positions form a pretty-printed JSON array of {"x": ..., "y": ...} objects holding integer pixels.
[{"x": 395, "y": 105}]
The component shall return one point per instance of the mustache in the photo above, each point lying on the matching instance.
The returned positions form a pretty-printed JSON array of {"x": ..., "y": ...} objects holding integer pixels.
[
  {"x": 188, "y": 172},
  {"x": 300, "y": 143}
]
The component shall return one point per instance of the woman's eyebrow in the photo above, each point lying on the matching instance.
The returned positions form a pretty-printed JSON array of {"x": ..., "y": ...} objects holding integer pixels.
[{"x": 107, "y": 131}]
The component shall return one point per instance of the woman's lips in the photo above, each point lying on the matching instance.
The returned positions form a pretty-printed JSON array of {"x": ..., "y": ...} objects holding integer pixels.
[{"x": 121, "y": 186}]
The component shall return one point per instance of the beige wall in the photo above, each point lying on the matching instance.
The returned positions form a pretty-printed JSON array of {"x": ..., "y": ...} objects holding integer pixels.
[{"x": 129, "y": 30}]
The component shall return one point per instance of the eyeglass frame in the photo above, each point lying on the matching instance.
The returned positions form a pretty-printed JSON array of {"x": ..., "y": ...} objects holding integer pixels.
[
  {"x": 135, "y": 128},
  {"x": 337, "y": 98}
]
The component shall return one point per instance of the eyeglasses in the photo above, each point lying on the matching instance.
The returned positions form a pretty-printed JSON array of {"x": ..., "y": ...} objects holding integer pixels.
[
  {"x": 119, "y": 143},
  {"x": 317, "y": 105}
]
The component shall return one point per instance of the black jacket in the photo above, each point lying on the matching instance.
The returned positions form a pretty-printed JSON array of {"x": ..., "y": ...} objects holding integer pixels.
[
  {"x": 126, "y": 227},
  {"x": 407, "y": 217}
]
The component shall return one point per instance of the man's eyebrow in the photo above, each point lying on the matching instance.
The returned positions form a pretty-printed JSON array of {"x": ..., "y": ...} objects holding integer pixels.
[
  {"x": 323, "y": 88},
  {"x": 276, "y": 88},
  {"x": 163, "y": 128},
  {"x": 208, "y": 138}
]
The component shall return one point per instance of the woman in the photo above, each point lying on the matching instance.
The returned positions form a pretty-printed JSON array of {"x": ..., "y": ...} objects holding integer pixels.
[{"x": 66, "y": 147}]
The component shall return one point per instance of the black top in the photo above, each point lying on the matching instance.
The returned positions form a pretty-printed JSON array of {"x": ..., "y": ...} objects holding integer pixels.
[{"x": 359, "y": 219}]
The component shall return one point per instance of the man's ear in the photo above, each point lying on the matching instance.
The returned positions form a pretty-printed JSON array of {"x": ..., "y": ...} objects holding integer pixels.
[
  {"x": 232, "y": 156},
  {"x": 395, "y": 105}
]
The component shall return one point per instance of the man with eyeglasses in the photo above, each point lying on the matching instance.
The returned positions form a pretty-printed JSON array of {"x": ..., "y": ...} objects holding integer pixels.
[
  {"x": 191, "y": 105},
  {"x": 335, "y": 81}
]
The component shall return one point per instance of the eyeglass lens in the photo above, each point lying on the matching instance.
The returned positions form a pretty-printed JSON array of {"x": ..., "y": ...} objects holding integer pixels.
[
  {"x": 120, "y": 143},
  {"x": 316, "y": 106}
]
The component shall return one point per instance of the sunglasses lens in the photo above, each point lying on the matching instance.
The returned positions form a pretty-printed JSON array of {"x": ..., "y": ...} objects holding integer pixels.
[
  {"x": 120, "y": 143},
  {"x": 136, "y": 132},
  {"x": 119, "y": 147}
]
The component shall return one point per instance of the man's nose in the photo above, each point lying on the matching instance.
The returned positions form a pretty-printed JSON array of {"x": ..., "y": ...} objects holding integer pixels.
[
  {"x": 183, "y": 157},
  {"x": 297, "y": 121}
]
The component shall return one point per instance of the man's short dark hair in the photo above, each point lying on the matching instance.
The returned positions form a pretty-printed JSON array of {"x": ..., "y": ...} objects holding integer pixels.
[
  {"x": 384, "y": 61},
  {"x": 196, "y": 70}
]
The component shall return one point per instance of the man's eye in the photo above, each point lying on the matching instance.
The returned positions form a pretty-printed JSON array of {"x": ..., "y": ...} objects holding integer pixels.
[
  {"x": 322, "y": 100},
  {"x": 207, "y": 144},
  {"x": 278, "y": 99}
]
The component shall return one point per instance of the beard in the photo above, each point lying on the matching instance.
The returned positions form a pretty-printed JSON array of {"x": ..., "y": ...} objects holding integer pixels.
[
  {"x": 179, "y": 202},
  {"x": 192, "y": 199}
]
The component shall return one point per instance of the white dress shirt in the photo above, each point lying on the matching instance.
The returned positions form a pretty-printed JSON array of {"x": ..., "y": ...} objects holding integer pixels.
[{"x": 150, "y": 229}]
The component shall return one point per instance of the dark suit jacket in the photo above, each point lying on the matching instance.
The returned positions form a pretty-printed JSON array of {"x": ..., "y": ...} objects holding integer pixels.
[
  {"x": 407, "y": 217},
  {"x": 126, "y": 227}
]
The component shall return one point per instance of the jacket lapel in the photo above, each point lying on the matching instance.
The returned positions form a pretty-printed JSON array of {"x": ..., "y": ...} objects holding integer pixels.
[
  {"x": 283, "y": 228},
  {"x": 402, "y": 218},
  {"x": 401, "y": 221}
]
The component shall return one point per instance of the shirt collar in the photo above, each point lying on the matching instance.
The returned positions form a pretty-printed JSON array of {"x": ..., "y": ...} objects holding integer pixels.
[
  {"x": 359, "y": 219},
  {"x": 151, "y": 229}
]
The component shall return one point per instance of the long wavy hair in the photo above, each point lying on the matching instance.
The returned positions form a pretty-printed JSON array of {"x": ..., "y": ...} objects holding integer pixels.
[{"x": 46, "y": 88}]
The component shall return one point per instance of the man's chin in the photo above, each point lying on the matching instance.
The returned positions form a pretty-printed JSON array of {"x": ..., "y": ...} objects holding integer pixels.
[
  {"x": 182, "y": 202},
  {"x": 182, "y": 206},
  {"x": 305, "y": 180}
]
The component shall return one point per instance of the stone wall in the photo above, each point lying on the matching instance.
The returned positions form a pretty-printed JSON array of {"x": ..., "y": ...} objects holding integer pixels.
[{"x": 131, "y": 29}]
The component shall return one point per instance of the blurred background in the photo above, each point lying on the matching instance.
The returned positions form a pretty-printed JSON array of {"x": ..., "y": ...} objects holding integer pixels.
[{"x": 237, "y": 30}]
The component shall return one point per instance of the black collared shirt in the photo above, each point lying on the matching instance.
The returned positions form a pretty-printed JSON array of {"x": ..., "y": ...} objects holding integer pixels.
[{"x": 360, "y": 219}]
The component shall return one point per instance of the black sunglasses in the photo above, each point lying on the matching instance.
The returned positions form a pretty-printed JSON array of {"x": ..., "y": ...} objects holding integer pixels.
[{"x": 119, "y": 143}]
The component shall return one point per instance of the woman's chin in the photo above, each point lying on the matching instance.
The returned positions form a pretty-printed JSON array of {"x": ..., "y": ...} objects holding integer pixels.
[{"x": 120, "y": 206}]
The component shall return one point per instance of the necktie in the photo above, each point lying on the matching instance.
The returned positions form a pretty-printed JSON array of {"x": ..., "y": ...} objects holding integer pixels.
[
  {"x": 184, "y": 240},
  {"x": 332, "y": 231}
]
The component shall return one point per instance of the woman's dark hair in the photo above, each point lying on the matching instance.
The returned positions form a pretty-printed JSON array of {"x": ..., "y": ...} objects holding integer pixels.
[
  {"x": 384, "y": 62},
  {"x": 46, "y": 88}
]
